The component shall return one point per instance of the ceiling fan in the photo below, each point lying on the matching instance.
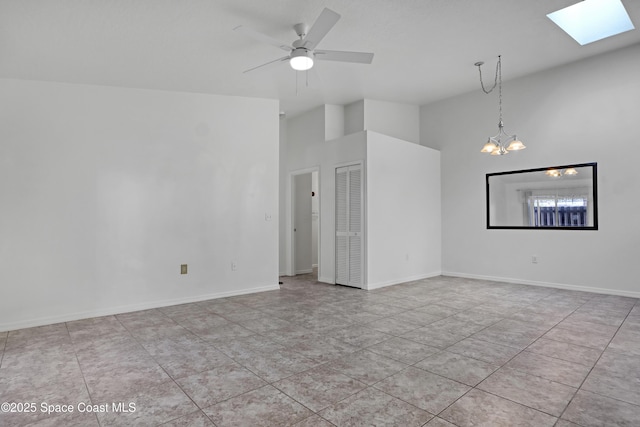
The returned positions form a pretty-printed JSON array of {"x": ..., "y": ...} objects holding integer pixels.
[{"x": 303, "y": 52}]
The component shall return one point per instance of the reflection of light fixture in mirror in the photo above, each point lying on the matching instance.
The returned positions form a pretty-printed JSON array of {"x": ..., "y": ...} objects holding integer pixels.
[
  {"x": 502, "y": 143},
  {"x": 557, "y": 173}
]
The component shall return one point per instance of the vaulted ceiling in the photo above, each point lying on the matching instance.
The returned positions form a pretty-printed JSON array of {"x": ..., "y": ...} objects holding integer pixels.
[{"x": 425, "y": 50}]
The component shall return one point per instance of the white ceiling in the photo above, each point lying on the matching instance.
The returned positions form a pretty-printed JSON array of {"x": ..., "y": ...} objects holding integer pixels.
[{"x": 424, "y": 49}]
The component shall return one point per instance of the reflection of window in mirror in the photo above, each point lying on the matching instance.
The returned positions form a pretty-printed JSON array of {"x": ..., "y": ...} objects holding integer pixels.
[
  {"x": 551, "y": 210},
  {"x": 563, "y": 197}
]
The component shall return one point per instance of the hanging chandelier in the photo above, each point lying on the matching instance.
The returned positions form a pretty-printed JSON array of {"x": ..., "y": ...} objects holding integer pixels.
[{"x": 501, "y": 143}]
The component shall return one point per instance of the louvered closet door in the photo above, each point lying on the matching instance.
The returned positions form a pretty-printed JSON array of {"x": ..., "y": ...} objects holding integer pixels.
[{"x": 349, "y": 255}]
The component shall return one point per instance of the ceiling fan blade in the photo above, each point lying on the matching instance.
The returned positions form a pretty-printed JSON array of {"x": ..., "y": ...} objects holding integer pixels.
[
  {"x": 284, "y": 58},
  {"x": 343, "y": 56},
  {"x": 262, "y": 38},
  {"x": 320, "y": 28}
]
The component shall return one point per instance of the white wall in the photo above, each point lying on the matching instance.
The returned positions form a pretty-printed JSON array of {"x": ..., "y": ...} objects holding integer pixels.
[
  {"x": 394, "y": 119},
  {"x": 333, "y": 121},
  {"x": 354, "y": 117},
  {"x": 106, "y": 191},
  {"x": 583, "y": 112},
  {"x": 403, "y": 211}
]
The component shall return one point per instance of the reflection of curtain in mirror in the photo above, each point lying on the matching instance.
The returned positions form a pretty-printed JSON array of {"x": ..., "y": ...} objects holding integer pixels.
[{"x": 527, "y": 214}]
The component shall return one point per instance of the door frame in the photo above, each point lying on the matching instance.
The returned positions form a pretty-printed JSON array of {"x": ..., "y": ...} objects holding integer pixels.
[{"x": 290, "y": 237}]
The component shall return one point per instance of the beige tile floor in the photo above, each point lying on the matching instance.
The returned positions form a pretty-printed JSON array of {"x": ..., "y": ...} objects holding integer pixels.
[{"x": 436, "y": 352}]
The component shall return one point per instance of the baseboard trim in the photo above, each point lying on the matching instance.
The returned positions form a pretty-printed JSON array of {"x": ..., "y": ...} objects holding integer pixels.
[
  {"x": 326, "y": 280},
  {"x": 605, "y": 291},
  {"x": 11, "y": 326},
  {"x": 378, "y": 285},
  {"x": 304, "y": 271}
]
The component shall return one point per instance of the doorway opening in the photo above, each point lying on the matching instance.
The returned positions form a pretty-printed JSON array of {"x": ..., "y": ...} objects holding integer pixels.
[{"x": 305, "y": 224}]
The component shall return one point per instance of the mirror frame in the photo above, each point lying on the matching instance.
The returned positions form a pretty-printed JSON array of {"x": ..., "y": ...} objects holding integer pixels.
[{"x": 594, "y": 167}]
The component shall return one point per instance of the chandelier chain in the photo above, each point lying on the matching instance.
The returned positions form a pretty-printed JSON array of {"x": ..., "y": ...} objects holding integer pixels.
[
  {"x": 496, "y": 82},
  {"x": 499, "y": 77}
]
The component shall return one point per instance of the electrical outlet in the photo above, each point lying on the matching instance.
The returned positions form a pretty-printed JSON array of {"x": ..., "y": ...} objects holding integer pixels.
[
  {"x": 183, "y": 269},
  {"x": 534, "y": 259},
  {"x": 234, "y": 266},
  {"x": 267, "y": 217}
]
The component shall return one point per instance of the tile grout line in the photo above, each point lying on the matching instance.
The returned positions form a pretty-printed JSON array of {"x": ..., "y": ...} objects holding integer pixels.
[
  {"x": 267, "y": 383},
  {"x": 84, "y": 380},
  {"x": 443, "y": 350},
  {"x": 165, "y": 371},
  {"x": 503, "y": 365},
  {"x": 536, "y": 340},
  {"x": 4, "y": 347},
  {"x": 594, "y": 365}
]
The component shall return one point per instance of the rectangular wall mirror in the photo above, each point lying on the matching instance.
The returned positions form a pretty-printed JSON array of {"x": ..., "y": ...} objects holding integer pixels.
[{"x": 558, "y": 198}]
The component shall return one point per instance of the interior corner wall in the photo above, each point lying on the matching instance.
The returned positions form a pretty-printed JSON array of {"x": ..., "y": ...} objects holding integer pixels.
[
  {"x": 403, "y": 211},
  {"x": 107, "y": 191},
  {"x": 394, "y": 119},
  {"x": 401, "y": 121},
  {"x": 354, "y": 117},
  {"x": 582, "y": 112}
]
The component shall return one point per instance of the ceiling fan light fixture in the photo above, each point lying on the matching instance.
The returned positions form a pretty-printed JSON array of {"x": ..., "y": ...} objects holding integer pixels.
[{"x": 301, "y": 59}]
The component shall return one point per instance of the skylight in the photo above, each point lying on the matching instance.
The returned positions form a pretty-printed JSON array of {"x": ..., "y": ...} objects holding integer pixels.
[{"x": 593, "y": 20}]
